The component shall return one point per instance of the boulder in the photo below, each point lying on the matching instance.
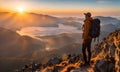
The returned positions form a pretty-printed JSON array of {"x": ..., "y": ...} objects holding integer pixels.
[
  {"x": 104, "y": 66},
  {"x": 54, "y": 61}
]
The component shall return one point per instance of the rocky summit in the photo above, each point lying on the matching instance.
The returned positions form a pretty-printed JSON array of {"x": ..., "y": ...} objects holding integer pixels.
[
  {"x": 105, "y": 58},
  {"x": 107, "y": 53}
]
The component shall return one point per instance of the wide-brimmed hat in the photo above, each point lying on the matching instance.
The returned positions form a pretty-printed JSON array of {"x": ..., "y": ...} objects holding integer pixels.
[{"x": 87, "y": 14}]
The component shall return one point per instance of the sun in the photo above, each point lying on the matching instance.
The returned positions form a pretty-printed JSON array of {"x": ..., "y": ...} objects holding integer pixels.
[{"x": 20, "y": 9}]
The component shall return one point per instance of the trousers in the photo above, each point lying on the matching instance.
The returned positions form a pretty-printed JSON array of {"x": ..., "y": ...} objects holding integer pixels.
[{"x": 86, "y": 45}]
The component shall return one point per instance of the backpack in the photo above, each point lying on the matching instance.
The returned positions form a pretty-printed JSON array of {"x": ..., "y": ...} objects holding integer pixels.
[{"x": 95, "y": 28}]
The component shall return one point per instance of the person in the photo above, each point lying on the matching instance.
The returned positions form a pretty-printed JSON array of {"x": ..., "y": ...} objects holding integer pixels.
[{"x": 87, "y": 39}]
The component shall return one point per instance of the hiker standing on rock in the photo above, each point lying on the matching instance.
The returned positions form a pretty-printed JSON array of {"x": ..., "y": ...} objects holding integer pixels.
[
  {"x": 87, "y": 39},
  {"x": 91, "y": 30}
]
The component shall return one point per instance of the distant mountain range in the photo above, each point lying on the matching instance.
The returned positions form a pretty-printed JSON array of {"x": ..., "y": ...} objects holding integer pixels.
[
  {"x": 15, "y": 21},
  {"x": 108, "y": 20},
  {"x": 108, "y": 24}
]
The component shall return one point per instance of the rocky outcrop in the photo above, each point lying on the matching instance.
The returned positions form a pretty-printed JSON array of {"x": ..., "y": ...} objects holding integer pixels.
[
  {"x": 65, "y": 63},
  {"x": 107, "y": 53}
]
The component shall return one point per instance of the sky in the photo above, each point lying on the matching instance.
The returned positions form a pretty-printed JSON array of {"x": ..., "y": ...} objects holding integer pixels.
[{"x": 63, "y": 7}]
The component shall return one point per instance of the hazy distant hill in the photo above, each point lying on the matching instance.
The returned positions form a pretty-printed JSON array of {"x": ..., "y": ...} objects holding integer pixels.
[
  {"x": 108, "y": 24},
  {"x": 15, "y": 48},
  {"x": 108, "y": 20},
  {"x": 16, "y": 20},
  {"x": 12, "y": 43},
  {"x": 74, "y": 24},
  {"x": 109, "y": 27},
  {"x": 60, "y": 40}
]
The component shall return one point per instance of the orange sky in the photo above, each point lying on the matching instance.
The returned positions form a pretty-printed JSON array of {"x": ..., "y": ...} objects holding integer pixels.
[{"x": 66, "y": 7}]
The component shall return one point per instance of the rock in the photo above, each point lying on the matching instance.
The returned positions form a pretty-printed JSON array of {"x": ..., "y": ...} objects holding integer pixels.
[
  {"x": 119, "y": 63},
  {"x": 73, "y": 59},
  {"x": 108, "y": 53},
  {"x": 74, "y": 71},
  {"x": 54, "y": 61},
  {"x": 119, "y": 45},
  {"x": 57, "y": 69},
  {"x": 104, "y": 66},
  {"x": 112, "y": 50}
]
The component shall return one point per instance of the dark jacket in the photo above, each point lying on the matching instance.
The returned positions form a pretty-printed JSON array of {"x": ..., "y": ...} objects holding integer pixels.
[{"x": 86, "y": 28}]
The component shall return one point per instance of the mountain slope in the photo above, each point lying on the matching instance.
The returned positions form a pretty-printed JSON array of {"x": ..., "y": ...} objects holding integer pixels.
[
  {"x": 11, "y": 41},
  {"x": 108, "y": 51},
  {"x": 15, "y": 21},
  {"x": 15, "y": 49}
]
